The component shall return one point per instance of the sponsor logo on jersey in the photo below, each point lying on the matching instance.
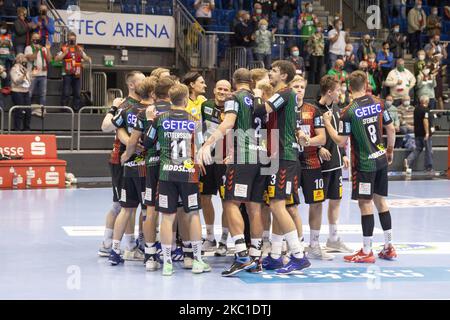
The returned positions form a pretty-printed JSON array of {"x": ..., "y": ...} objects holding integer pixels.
[
  {"x": 231, "y": 105},
  {"x": 188, "y": 164},
  {"x": 208, "y": 110},
  {"x": 248, "y": 101},
  {"x": 177, "y": 168},
  {"x": 386, "y": 116},
  {"x": 170, "y": 124},
  {"x": 318, "y": 122},
  {"x": 368, "y": 111},
  {"x": 307, "y": 115},
  {"x": 318, "y": 195}
]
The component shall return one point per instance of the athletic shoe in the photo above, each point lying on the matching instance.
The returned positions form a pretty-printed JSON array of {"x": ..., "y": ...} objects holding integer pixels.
[
  {"x": 266, "y": 247},
  {"x": 294, "y": 265},
  {"x": 258, "y": 268},
  {"x": 153, "y": 262},
  {"x": 337, "y": 246},
  {"x": 115, "y": 258},
  {"x": 360, "y": 257},
  {"x": 317, "y": 253},
  {"x": 167, "y": 269},
  {"x": 209, "y": 246},
  {"x": 158, "y": 248},
  {"x": 103, "y": 251},
  {"x": 134, "y": 255},
  {"x": 408, "y": 170},
  {"x": 388, "y": 254},
  {"x": 140, "y": 245},
  {"x": 270, "y": 263},
  {"x": 239, "y": 264},
  {"x": 188, "y": 262},
  {"x": 177, "y": 254},
  {"x": 221, "y": 251},
  {"x": 200, "y": 267}
]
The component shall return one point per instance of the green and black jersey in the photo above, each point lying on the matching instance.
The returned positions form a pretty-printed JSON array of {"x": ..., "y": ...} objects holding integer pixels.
[
  {"x": 179, "y": 135},
  {"x": 284, "y": 119},
  {"x": 363, "y": 121},
  {"x": 127, "y": 118},
  {"x": 248, "y": 137},
  {"x": 142, "y": 124}
]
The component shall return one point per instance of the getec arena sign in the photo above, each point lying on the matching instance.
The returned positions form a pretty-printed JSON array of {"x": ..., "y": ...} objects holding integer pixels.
[{"x": 102, "y": 28}]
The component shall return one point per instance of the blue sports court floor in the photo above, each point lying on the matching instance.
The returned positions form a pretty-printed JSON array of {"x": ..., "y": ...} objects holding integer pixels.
[{"x": 50, "y": 240}]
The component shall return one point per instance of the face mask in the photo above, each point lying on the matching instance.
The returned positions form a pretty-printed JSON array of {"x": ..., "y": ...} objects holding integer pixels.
[
  {"x": 339, "y": 27},
  {"x": 434, "y": 13},
  {"x": 396, "y": 30},
  {"x": 388, "y": 103},
  {"x": 258, "y": 11},
  {"x": 310, "y": 9},
  {"x": 421, "y": 57},
  {"x": 36, "y": 41},
  {"x": 419, "y": 6},
  {"x": 2, "y": 31},
  {"x": 406, "y": 103},
  {"x": 372, "y": 60},
  {"x": 401, "y": 68},
  {"x": 426, "y": 71},
  {"x": 339, "y": 67},
  {"x": 24, "y": 64},
  {"x": 319, "y": 30},
  {"x": 348, "y": 53},
  {"x": 436, "y": 42},
  {"x": 295, "y": 53},
  {"x": 263, "y": 27},
  {"x": 72, "y": 42}
]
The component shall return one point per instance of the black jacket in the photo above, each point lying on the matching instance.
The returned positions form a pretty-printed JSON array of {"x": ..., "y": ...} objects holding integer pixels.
[{"x": 337, "y": 153}]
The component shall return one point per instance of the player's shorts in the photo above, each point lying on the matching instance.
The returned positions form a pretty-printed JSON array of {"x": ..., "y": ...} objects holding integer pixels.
[
  {"x": 244, "y": 183},
  {"x": 284, "y": 184},
  {"x": 170, "y": 191},
  {"x": 332, "y": 183},
  {"x": 132, "y": 192},
  {"x": 311, "y": 182},
  {"x": 116, "y": 175},
  {"x": 211, "y": 182},
  {"x": 365, "y": 184},
  {"x": 151, "y": 186}
]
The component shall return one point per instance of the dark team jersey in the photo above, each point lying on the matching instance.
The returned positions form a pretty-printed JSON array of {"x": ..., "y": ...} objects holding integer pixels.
[
  {"x": 142, "y": 124},
  {"x": 127, "y": 118},
  {"x": 249, "y": 139},
  {"x": 117, "y": 149},
  {"x": 363, "y": 121},
  {"x": 337, "y": 154},
  {"x": 284, "y": 104},
  {"x": 212, "y": 117},
  {"x": 309, "y": 118},
  {"x": 179, "y": 135}
]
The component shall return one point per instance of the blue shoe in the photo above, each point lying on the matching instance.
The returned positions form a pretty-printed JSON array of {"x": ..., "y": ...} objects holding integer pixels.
[
  {"x": 115, "y": 258},
  {"x": 158, "y": 248},
  {"x": 294, "y": 265},
  {"x": 270, "y": 263},
  {"x": 177, "y": 255}
]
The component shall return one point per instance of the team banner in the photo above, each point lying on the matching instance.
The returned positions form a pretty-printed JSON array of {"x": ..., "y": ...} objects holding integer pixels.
[{"x": 102, "y": 28}]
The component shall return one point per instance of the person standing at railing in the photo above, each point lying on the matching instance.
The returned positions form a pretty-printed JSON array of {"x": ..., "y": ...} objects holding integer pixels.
[
  {"x": 338, "y": 39},
  {"x": 316, "y": 47},
  {"x": 44, "y": 25},
  {"x": 22, "y": 30},
  {"x": 244, "y": 35},
  {"x": 416, "y": 25},
  {"x": 434, "y": 23},
  {"x": 401, "y": 81},
  {"x": 307, "y": 22},
  {"x": 20, "y": 87},
  {"x": 6, "y": 54},
  {"x": 38, "y": 60},
  {"x": 73, "y": 56},
  {"x": 366, "y": 48},
  {"x": 203, "y": 13},
  {"x": 264, "y": 39},
  {"x": 397, "y": 41}
]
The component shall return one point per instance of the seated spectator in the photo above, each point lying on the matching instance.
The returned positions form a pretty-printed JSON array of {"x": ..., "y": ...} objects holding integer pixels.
[
  {"x": 420, "y": 63},
  {"x": 297, "y": 60},
  {"x": 22, "y": 30},
  {"x": 338, "y": 72},
  {"x": 350, "y": 61},
  {"x": 285, "y": 10},
  {"x": 434, "y": 23},
  {"x": 406, "y": 115},
  {"x": 338, "y": 40},
  {"x": 365, "y": 48},
  {"x": 20, "y": 87},
  {"x": 385, "y": 60},
  {"x": 401, "y": 81},
  {"x": 426, "y": 84},
  {"x": 244, "y": 35},
  {"x": 372, "y": 85},
  {"x": 315, "y": 47},
  {"x": 423, "y": 131},
  {"x": 397, "y": 41},
  {"x": 203, "y": 13},
  {"x": 44, "y": 25},
  {"x": 264, "y": 40},
  {"x": 393, "y": 111},
  {"x": 416, "y": 25},
  {"x": 38, "y": 60}
]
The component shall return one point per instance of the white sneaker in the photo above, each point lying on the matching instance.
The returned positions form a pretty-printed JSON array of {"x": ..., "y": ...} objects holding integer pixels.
[
  {"x": 221, "y": 251},
  {"x": 133, "y": 255},
  {"x": 152, "y": 265},
  {"x": 337, "y": 246},
  {"x": 317, "y": 253},
  {"x": 408, "y": 170},
  {"x": 266, "y": 247},
  {"x": 209, "y": 246},
  {"x": 103, "y": 251},
  {"x": 188, "y": 262}
]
